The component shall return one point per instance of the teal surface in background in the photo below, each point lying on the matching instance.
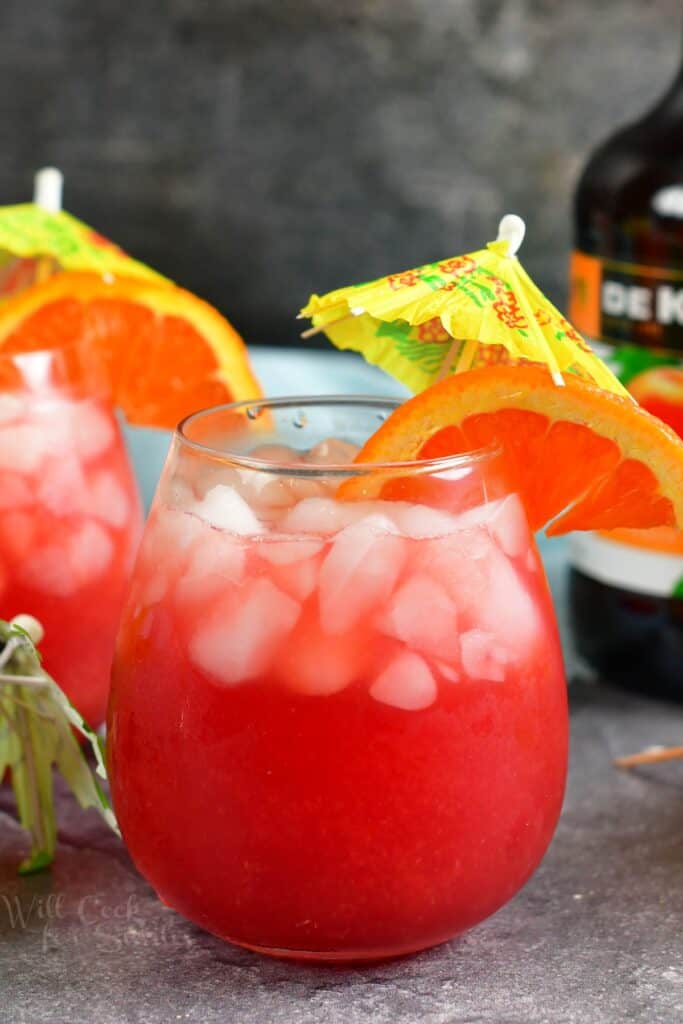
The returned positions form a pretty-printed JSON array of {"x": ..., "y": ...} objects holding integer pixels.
[{"x": 287, "y": 371}]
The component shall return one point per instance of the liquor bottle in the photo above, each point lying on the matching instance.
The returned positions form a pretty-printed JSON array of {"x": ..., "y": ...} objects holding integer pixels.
[{"x": 626, "y": 296}]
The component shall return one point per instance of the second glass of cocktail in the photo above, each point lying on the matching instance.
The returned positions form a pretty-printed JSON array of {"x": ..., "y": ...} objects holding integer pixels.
[
  {"x": 70, "y": 514},
  {"x": 338, "y": 722}
]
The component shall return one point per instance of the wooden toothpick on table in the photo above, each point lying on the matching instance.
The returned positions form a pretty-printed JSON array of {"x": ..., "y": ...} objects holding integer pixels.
[{"x": 653, "y": 755}]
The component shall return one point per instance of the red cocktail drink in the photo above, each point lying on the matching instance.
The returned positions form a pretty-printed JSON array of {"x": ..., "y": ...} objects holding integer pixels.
[
  {"x": 338, "y": 728},
  {"x": 70, "y": 517}
]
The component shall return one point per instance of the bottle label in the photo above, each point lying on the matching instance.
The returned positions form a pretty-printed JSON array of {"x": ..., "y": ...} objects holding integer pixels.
[
  {"x": 627, "y": 303},
  {"x": 634, "y": 316},
  {"x": 639, "y": 569}
]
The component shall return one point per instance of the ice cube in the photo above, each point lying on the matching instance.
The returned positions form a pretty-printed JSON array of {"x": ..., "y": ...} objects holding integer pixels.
[
  {"x": 239, "y": 639},
  {"x": 320, "y": 516},
  {"x": 284, "y": 552},
  {"x": 91, "y": 550},
  {"x": 15, "y": 491},
  {"x": 485, "y": 587},
  {"x": 268, "y": 489},
  {"x": 332, "y": 452},
  {"x": 282, "y": 492},
  {"x": 508, "y": 524},
  {"x": 108, "y": 499},
  {"x": 76, "y": 559},
  {"x": 507, "y": 609},
  {"x": 359, "y": 572},
  {"x": 92, "y": 428},
  {"x": 454, "y": 560},
  {"x": 273, "y": 493},
  {"x": 247, "y": 482},
  {"x": 298, "y": 578},
  {"x": 422, "y": 521},
  {"x": 482, "y": 656},
  {"x": 24, "y": 447},
  {"x": 505, "y": 519},
  {"x": 49, "y": 570},
  {"x": 169, "y": 536},
  {"x": 217, "y": 553},
  {"x": 324, "y": 516},
  {"x": 12, "y": 408},
  {"x": 194, "y": 476},
  {"x": 423, "y": 616},
  {"x": 406, "y": 683},
  {"x": 318, "y": 665},
  {"x": 480, "y": 515},
  {"x": 225, "y": 509},
  {"x": 199, "y": 592},
  {"x": 378, "y": 510},
  {"x": 302, "y": 487},
  {"x": 62, "y": 487},
  {"x": 279, "y": 454}
]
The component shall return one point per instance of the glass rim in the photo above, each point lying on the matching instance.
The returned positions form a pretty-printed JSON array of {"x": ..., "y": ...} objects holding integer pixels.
[{"x": 463, "y": 460}]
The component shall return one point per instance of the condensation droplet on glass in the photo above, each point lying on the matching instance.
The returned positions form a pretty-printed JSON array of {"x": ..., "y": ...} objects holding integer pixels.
[
  {"x": 299, "y": 420},
  {"x": 254, "y": 411}
]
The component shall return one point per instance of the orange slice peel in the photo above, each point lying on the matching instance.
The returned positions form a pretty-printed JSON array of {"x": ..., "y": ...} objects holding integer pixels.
[
  {"x": 580, "y": 457},
  {"x": 168, "y": 352}
]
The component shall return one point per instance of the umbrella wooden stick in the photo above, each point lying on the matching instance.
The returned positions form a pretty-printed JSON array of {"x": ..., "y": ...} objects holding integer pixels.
[
  {"x": 312, "y": 331},
  {"x": 653, "y": 755},
  {"x": 469, "y": 351},
  {"x": 512, "y": 230},
  {"x": 48, "y": 186},
  {"x": 449, "y": 359},
  {"x": 550, "y": 358}
]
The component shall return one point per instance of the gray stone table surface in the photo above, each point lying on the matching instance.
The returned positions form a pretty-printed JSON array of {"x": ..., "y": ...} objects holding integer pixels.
[{"x": 594, "y": 937}]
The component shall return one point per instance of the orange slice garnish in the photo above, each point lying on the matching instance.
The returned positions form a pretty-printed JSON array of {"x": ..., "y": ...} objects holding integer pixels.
[
  {"x": 581, "y": 458},
  {"x": 169, "y": 353}
]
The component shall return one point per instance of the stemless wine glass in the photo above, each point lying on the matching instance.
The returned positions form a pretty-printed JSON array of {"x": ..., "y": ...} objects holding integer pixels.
[
  {"x": 338, "y": 723},
  {"x": 70, "y": 516}
]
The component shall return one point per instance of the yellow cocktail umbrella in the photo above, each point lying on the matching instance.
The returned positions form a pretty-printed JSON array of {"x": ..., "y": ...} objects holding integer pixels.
[
  {"x": 39, "y": 238},
  {"x": 422, "y": 324}
]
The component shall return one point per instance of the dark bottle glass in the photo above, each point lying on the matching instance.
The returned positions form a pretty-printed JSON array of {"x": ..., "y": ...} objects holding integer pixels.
[{"x": 626, "y": 295}]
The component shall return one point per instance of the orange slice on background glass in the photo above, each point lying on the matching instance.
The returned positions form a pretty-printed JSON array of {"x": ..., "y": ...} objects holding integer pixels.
[
  {"x": 660, "y": 391},
  {"x": 168, "y": 352},
  {"x": 580, "y": 457}
]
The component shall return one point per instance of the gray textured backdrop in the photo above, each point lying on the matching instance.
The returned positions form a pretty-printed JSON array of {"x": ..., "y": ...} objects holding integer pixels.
[{"x": 255, "y": 151}]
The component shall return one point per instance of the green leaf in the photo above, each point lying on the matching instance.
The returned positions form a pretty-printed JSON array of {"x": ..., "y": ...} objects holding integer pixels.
[
  {"x": 35, "y": 863},
  {"x": 32, "y": 774},
  {"x": 37, "y": 724},
  {"x": 10, "y": 748},
  {"x": 678, "y": 589}
]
